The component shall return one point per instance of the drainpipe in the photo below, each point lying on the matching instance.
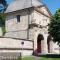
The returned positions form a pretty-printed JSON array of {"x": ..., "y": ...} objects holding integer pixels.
[
  {"x": 28, "y": 12},
  {"x": 28, "y": 20}
]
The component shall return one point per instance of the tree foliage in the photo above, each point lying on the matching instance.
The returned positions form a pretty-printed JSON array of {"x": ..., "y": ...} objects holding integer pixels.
[
  {"x": 2, "y": 20},
  {"x": 54, "y": 26},
  {"x": 3, "y": 5}
]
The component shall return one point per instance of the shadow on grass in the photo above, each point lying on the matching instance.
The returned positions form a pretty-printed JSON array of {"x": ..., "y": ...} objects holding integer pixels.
[{"x": 51, "y": 55}]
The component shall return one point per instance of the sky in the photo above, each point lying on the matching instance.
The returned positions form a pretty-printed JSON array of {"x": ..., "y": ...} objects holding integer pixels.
[{"x": 52, "y": 5}]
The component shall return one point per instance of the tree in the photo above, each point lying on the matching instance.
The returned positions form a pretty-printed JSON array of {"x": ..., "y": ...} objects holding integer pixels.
[
  {"x": 54, "y": 27},
  {"x": 3, "y": 5},
  {"x": 2, "y": 23}
]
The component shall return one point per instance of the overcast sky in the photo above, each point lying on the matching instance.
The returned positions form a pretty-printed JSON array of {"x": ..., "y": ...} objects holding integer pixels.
[{"x": 53, "y": 5}]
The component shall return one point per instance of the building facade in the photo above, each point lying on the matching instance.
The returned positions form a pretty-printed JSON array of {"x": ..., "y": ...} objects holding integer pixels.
[{"x": 27, "y": 28}]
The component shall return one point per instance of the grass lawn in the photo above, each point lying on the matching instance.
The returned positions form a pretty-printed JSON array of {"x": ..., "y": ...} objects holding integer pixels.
[
  {"x": 41, "y": 58},
  {"x": 27, "y": 58},
  {"x": 44, "y": 58}
]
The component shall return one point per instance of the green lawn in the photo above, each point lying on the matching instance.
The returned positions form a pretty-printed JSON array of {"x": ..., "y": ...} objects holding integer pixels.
[
  {"x": 41, "y": 58},
  {"x": 27, "y": 58},
  {"x": 44, "y": 58}
]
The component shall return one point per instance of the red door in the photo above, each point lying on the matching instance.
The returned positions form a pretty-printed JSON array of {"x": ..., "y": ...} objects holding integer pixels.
[
  {"x": 39, "y": 47},
  {"x": 39, "y": 39}
]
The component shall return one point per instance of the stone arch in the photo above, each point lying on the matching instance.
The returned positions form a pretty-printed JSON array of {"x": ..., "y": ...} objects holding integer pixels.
[{"x": 39, "y": 39}]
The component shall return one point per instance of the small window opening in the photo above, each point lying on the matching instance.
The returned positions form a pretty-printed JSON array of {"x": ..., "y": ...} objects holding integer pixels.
[{"x": 18, "y": 18}]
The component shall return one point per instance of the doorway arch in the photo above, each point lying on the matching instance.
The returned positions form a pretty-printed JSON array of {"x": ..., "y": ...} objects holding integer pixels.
[{"x": 39, "y": 39}]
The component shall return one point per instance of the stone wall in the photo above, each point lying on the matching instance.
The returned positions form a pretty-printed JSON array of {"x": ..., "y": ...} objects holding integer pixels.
[
  {"x": 15, "y": 45},
  {"x": 14, "y": 28}
]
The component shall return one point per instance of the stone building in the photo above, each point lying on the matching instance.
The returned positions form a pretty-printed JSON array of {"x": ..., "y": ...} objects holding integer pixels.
[{"x": 27, "y": 27}]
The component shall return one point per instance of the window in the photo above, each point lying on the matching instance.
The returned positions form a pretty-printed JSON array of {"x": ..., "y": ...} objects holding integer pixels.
[{"x": 18, "y": 18}]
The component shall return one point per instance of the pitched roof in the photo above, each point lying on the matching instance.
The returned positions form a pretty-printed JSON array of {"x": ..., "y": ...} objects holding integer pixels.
[{"x": 22, "y": 4}]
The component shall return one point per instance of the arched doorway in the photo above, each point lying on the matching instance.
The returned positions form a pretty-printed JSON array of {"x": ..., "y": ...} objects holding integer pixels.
[{"x": 39, "y": 39}]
